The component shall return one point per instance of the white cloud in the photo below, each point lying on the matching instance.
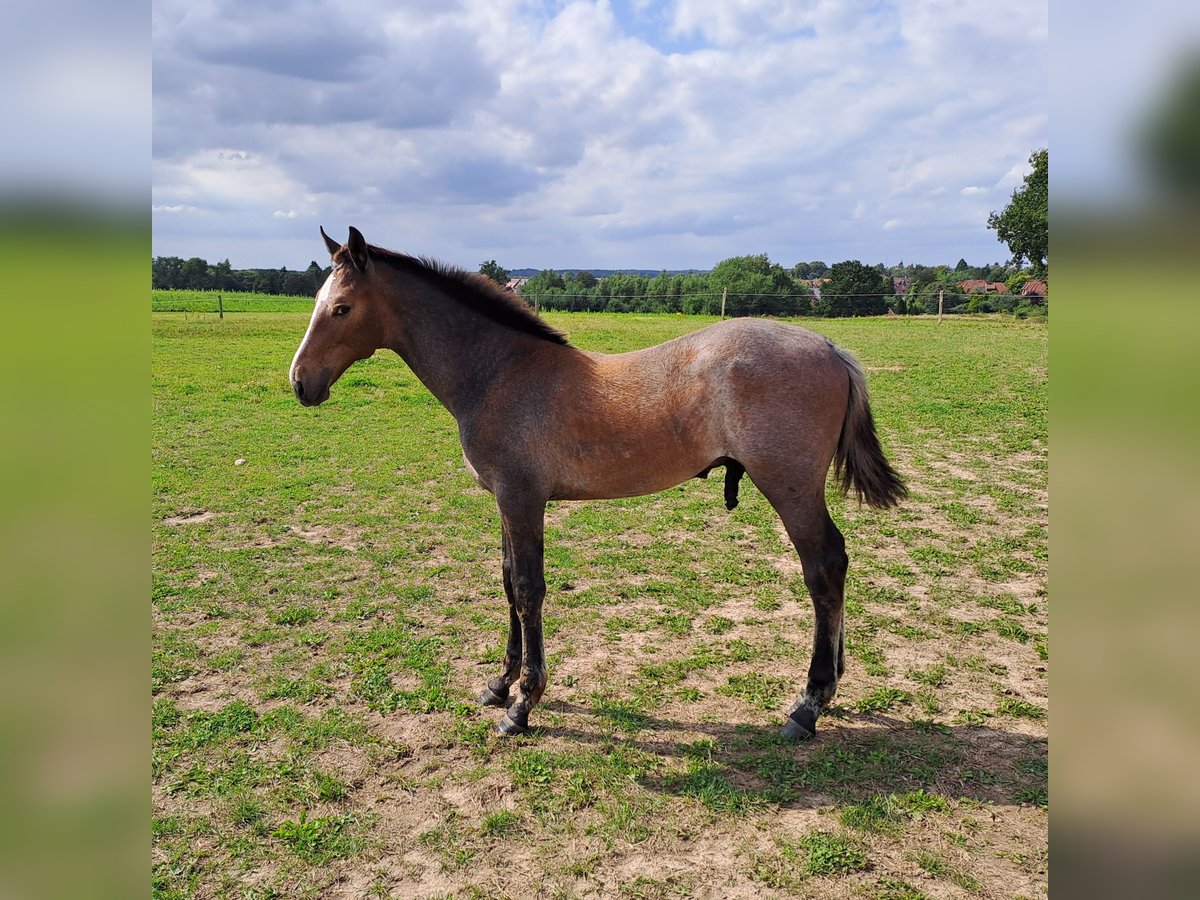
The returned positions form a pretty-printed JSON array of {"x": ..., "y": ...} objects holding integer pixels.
[{"x": 674, "y": 135}]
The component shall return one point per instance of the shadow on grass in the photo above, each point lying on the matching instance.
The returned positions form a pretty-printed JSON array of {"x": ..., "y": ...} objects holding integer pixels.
[{"x": 739, "y": 766}]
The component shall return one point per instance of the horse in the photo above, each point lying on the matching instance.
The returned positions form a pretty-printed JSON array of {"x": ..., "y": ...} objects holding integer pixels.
[{"x": 540, "y": 419}]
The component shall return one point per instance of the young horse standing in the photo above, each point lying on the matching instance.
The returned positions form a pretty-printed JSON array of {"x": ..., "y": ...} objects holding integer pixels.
[{"x": 540, "y": 420}]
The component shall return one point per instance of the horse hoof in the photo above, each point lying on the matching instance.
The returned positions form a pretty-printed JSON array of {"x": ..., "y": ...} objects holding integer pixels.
[
  {"x": 508, "y": 726},
  {"x": 800, "y": 726},
  {"x": 491, "y": 698}
]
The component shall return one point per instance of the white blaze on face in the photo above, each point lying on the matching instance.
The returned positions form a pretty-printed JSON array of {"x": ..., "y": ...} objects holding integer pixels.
[{"x": 322, "y": 298}]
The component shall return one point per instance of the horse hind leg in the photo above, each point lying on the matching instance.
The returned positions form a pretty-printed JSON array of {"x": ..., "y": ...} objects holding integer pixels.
[{"x": 822, "y": 551}]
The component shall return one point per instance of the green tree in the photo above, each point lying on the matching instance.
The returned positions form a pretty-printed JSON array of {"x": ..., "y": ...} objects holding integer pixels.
[
  {"x": 315, "y": 277},
  {"x": 494, "y": 271},
  {"x": 196, "y": 274},
  {"x": 756, "y": 287},
  {"x": 663, "y": 293},
  {"x": 166, "y": 272},
  {"x": 1024, "y": 223},
  {"x": 854, "y": 290}
]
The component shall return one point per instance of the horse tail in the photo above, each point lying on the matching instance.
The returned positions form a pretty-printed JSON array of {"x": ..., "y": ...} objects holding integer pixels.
[{"x": 859, "y": 462}]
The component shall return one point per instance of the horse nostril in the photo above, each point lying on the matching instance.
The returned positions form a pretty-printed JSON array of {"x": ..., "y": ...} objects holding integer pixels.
[{"x": 298, "y": 387}]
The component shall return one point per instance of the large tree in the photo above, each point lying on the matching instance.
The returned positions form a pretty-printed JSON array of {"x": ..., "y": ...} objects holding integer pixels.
[
  {"x": 494, "y": 271},
  {"x": 756, "y": 287},
  {"x": 854, "y": 290},
  {"x": 1024, "y": 224}
]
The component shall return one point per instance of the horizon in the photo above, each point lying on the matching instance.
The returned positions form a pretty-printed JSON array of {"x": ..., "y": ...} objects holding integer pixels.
[{"x": 1001, "y": 261}]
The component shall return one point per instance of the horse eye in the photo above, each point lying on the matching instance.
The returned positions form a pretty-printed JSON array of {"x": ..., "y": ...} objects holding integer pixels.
[{"x": 341, "y": 309}]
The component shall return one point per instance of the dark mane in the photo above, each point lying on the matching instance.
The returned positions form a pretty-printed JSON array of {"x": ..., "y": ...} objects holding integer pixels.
[{"x": 474, "y": 291}]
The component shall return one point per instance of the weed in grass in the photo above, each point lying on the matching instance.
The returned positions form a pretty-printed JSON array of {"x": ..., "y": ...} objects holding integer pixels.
[
  {"x": 934, "y": 676},
  {"x": 766, "y": 692},
  {"x": 1037, "y": 795},
  {"x": 893, "y": 889},
  {"x": 887, "y": 814},
  {"x": 319, "y": 840},
  {"x": 1010, "y": 628},
  {"x": 882, "y": 699},
  {"x": 709, "y": 783},
  {"x": 624, "y": 714},
  {"x": 448, "y": 841},
  {"x": 226, "y": 660},
  {"x": 718, "y": 625},
  {"x": 928, "y": 702},
  {"x": 1018, "y": 708},
  {"x": 876, "y": 814},
  {"x": 829, "y": 853},
  {"x": 500, "y": 822},
  {"x": 328, "y": 788},
  {"x": 872, "y": 658},
  {"x": 939, "y": 868},
  {"x": 295, "y": 614},
  {"x": 779, "y": 869},
  {"x": 767, "y": 603},
  {"x": 1038, "y": 767},
  {"x": 969, "y": 627},
  {"x": 975, "y": 717},
  {"x": 204, "y": 728},
  {"x": 531, "y": 768},
  {"x": 675, "y": 624}
]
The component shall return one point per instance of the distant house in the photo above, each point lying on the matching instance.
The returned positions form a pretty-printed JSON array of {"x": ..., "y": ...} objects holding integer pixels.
[
  {"x": 814, "y": 283},
  {"x": 979, "y": 286},
  {"x": 514, "y": 285},
  {"x": 1034, "y": 289},
  {"x": 901, "y": 284}
]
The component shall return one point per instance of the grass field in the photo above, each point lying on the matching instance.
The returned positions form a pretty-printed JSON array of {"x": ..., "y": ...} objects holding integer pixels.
[
  {"x": 231, "y": 302},
  {"x": 326, "y": 609}
]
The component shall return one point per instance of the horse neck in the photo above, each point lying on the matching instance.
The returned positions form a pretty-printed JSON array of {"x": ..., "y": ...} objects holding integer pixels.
[{"x": 456, "y": 352}]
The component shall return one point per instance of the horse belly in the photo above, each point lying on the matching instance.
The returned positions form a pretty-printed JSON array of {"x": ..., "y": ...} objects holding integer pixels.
[{"x": 630, "y": 467}]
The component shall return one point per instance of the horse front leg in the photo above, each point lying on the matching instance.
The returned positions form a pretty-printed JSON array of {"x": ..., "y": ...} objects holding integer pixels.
[
  {"x": 496, "y": 692},
  {"x": 523, "y": 529}
]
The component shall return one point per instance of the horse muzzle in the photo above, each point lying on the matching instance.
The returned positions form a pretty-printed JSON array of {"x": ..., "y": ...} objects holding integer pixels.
[{"x": 310, "y": 391}]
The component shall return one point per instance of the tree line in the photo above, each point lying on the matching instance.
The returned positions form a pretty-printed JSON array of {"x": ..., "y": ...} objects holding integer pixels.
[
  {"x": 756, "y": 286},
  {"x": 196, "y": 274},
  {"x": 747, "y": 285}
]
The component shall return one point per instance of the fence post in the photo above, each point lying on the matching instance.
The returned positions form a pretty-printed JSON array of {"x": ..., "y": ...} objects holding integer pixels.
[
  {"x": 724, "y": 294},
  {"x": 220, "y": 308},
  {"x": 940, "y": 306}
]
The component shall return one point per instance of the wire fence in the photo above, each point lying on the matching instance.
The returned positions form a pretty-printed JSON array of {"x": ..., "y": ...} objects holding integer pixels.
[{"x": 696, "y": 303}]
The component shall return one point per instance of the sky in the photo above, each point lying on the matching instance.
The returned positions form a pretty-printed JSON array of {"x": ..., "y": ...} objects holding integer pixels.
[{"x": 614, "y": 134}]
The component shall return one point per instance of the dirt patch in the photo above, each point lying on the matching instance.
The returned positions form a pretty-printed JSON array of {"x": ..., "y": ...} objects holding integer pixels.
[{"x": 189, "y": 518}]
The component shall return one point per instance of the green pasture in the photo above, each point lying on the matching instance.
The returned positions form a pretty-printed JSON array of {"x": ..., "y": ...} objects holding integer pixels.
[
  {"x": 230, "y": 302},
  {"x": 327, "y": 604}
]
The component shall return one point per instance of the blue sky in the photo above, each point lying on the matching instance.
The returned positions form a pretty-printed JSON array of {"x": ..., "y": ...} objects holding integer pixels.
[{"x": 604, "y": 134}]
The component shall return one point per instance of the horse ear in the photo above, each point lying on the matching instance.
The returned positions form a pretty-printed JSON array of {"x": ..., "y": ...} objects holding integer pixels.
[
  {"x": 330, "y": 244},
  {"x": 357, "y": 246}
]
